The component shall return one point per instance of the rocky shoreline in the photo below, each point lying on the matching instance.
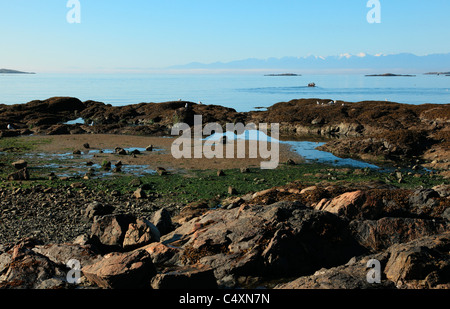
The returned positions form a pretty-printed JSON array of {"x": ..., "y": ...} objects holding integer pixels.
[
  {"x": 290, "y": 237},
  {"x": 369, "y": 130},
  {"x": 295, "y": 236}
]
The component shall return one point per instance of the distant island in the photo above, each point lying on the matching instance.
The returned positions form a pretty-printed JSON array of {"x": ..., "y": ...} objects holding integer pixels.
[
  {"x": 283, "y": 74},
  {"x": 438, "y": 73},
  {"x": 7, "y": 71},
  {"x": 390, "y": 74}
]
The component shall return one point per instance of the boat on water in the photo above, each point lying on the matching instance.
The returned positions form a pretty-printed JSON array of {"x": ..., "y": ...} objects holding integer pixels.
[{"x": 311, "y": 85}]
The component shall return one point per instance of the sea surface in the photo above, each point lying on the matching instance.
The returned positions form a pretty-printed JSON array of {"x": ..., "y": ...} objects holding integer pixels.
[{"x": 243, "y": 92}]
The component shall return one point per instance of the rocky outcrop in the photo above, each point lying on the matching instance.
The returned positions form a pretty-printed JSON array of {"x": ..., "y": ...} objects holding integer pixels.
[
  {"x": 420, "y": 264},
  {"x": 369, "y": 130}
]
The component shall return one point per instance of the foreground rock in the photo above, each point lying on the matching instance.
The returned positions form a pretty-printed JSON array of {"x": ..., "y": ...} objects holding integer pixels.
[
  {"x": 295, "y": 236},
  {"x": 420, "y": 264},
  {"x": 130, "y": 270}
]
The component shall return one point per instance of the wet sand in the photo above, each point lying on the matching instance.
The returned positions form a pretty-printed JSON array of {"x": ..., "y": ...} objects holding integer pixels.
[{"x": 161, "y": 157}]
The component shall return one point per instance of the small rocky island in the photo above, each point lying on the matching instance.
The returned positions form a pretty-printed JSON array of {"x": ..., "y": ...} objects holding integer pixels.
[
  {"x": 283, "y": 74},
  {"x": 390, "y": 75},
  {"x": 8, "y": 71},
  {"x": 438, "y": 73}
]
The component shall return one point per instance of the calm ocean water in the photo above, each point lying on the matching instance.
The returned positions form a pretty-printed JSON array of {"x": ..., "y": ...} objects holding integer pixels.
[{"x": 242, "y": 92}]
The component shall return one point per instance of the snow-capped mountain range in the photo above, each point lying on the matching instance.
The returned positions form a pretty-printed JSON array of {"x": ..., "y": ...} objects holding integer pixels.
[{"x": 362, "y": 62}]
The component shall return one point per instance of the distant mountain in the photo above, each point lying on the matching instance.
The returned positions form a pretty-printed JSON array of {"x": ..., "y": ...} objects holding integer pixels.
[
  {"x": 7, "y": 71},
  {"x": 404, "y": 62}
]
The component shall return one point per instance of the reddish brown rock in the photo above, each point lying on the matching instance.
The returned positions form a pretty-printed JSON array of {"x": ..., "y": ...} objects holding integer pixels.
[
  {"x": 161, "y": 253},
  {"x": 346, "y": 204},
  {"x": 276, "y": 240},
  {"x": 131, "y": 270},
  {"x": 422, "y": 263},
  {"x": 140, "y": 234},
  {"x": 63, "y": 253}
]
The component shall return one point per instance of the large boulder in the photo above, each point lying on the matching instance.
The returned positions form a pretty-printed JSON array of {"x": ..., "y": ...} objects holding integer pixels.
[
  {"x": 139, "y": 234},
  {"x": 62, "y": 253},
  {"x": 282, "y": 239},
  {"x": 129, "y": 270},
  {"x": 421, "y": 263},
  {"x": 119, "y": 232},
  {"x": 345, "y": 204},
  {"x": 108, "y": 232},
  {"x": 21, "y": 267},
  {"x": 377, "y": 235},
  {"x": 352, "y": 275},
  {"x": 163, "y": 221}
]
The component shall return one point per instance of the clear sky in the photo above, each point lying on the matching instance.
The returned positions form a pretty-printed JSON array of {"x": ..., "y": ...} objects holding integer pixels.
[{"x": 120, "y": 35}]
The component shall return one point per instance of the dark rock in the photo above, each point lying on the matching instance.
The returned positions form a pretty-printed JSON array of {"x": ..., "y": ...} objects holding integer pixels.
[
  {"x": 290, "y": 162},
  {"x": 191, "y": 277},
  {"x": 232, "y": 191},
  {"x": 446, "y": 214},
  {"x": 106, "y": 165},
  {"x": 62, "y": 253},
  {"x": 423, "y": 197},
  {"x": 23, "y": 174},
  {"x": 161, "y": 171},
  {"x": 422, "y": 263},
  {"x": 135, "y": 182},
  {"x": 97, "y": 209},
  {"x": 120, "y": 151},
  {"x": 381, "y": 234},
  {"x": 20, "y": 164},
  {"x": 443, "y": 190},
  {"x": 352, "y": 275},
  {"x": 22, "y": 268},
  {"x": 162, "y": 254},
  {"x": 59, "y": 129},
  {"x": 163, "y": 222},
  {"x": 245, "y": 170},
  {"x": 108, "y": 232}
]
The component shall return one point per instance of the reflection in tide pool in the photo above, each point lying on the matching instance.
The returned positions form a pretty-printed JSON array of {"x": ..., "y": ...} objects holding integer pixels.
[
  {"x": 308, "y": 151},
  {"x": 305, "y": 149}
]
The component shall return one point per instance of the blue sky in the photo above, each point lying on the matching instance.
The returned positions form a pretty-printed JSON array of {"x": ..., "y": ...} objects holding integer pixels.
[{"x": 140, "y": 34}]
